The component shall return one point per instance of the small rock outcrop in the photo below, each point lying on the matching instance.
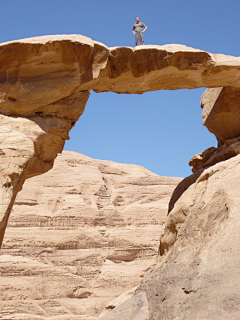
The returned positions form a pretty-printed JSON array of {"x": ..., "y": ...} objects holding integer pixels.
[
  {"x": 81, "y": 235},
  {"x": 211, "y": 156}
]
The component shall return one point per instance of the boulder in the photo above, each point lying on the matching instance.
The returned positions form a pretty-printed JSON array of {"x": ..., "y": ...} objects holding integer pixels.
[{"x": 221, "y": 112}]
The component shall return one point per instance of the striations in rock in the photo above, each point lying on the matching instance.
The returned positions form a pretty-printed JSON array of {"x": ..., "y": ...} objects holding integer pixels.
[
  {"x": 211, "y": 156},
  {"x": 221, "y": 115},
  {"x": 80, "y": 235},
  {"x": 221, "y": 112},
  {"x": 44, "y": 87},
  {"x": 198, "y": 274},
  {"x": 45, "y": 84}
]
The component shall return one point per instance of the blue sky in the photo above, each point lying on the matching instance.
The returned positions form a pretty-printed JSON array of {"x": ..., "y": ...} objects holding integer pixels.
[{"x": 159, "y": 130}]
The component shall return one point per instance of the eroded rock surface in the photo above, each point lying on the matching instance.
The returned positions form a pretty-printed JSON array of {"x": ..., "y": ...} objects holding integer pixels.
[
  {"x": 169, "y": 67},
  {"x": 45, "y": 83},
  {"x": 211, "y": 156},
  {"x": 44, "y": 86},
  {"x": 221, "y": 112},
  {"x": 80, "y": 235},
  {"x": 198, "y": 273}
]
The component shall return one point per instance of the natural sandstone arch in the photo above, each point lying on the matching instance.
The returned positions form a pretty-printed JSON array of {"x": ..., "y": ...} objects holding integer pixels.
[{"x": 45, "y": 84}]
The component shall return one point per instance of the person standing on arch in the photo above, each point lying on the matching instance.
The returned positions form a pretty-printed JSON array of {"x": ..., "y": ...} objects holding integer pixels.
[{"x": 138, "y": 31}]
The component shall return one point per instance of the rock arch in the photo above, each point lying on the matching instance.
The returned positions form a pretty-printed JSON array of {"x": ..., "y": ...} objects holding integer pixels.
[{"x": 45, "y": 83}]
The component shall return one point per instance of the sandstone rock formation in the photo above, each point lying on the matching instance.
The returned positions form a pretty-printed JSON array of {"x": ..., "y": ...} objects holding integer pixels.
[
  {"x": 221, "y": 112},
  {"x": 45, "y": 84},
  {"x": 134, "y": 308},
  {"x": 199, "y": 269},
  {"x": 211, "y": 156},
  {"x": 151, "y": 67},
  {"x": 198, "y": 273},
  {"x": 80, "y": 235}
]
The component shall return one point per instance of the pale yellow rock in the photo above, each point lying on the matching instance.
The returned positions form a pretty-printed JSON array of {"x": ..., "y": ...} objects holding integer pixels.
[
  {"x": 28, "y": 147},
  {"x": 198, "y": 274},
  {"x": 41, "y": 71},
  {"x": 91, "y": 227}
]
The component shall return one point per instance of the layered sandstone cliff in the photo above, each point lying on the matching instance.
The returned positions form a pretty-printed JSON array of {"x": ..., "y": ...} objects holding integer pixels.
[{"x": 80, "y": 235}]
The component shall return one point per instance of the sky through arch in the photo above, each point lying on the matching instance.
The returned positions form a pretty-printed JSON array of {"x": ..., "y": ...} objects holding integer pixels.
[{"x": 160, "y": 130}]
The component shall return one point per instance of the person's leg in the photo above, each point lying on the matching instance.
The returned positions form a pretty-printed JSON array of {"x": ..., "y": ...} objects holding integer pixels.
[
  {"x": 136, "y": 39},
  {"x": 141, "y": 38}
]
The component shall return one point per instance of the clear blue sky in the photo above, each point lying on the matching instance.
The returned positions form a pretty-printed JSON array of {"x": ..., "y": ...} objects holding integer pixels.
[{"x": 159, "y": 130}]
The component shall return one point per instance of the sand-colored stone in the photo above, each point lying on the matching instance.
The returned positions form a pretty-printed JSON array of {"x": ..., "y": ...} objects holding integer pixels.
[
  {"x": 221, "y": 112},
  {"x": 28, "y": 147},
  {"x": 39, "y": 71},
  {"x": 198, "y": 274},
  {"x": 118, "y": 301},
  {"x": 211, "y": 156},
  {"x": 169, "y": 67},
  {"x": 136, "y": 308},
  {"x": 45, "y": 83},
  {"x": 81, "y": 235}
]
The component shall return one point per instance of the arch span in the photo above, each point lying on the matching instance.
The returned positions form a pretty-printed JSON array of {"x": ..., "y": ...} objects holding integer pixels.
[{"x": 45, "y": 83}]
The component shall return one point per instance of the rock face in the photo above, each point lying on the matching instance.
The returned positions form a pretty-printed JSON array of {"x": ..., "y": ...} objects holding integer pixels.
[
  {"x": 198, "y": 273},
  {"x": 211, "y": 156},
  {"x": 28, "y": 147},
  {"x": 80, "y": 235},
  {"x": 221, "y": 112},
  {"x": 199, "y": 254},
  {"x": 45, "y": 84}
]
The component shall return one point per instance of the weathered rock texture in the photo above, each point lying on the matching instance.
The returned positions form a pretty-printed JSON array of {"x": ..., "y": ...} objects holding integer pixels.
[
  {"x": 221, "y": 112},
  {"x": 211, "y": 156},
  {"x": 221, "y": 115},
  {"x": 45, "y": 84},
  {"x": 80, "y": 235},
  {"x": 198, "y": 273},
  {"x": 151, "y": 67}
]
